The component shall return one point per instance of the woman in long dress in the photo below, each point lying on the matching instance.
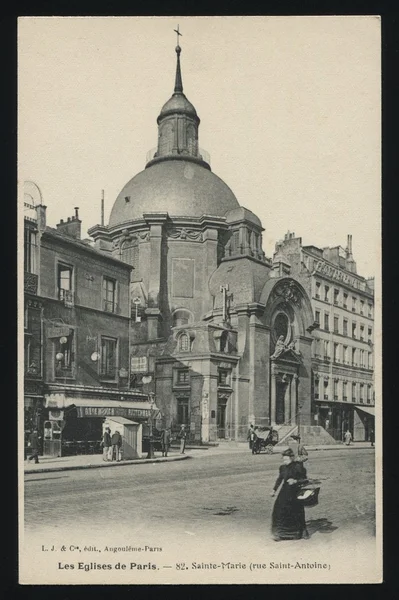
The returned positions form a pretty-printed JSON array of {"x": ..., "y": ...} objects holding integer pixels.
[{"x": 288, "y": 518}]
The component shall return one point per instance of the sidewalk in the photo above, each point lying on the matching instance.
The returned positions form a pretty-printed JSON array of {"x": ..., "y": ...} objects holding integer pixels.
[
  {"x": 95, "y": 461},
  {"x": 48, "y": 464}
]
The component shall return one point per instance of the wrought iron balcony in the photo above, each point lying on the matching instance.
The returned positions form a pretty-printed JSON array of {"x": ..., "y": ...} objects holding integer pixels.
[
  {"x": 31, "y": 281},
  {"x": 67, "y": 296}
]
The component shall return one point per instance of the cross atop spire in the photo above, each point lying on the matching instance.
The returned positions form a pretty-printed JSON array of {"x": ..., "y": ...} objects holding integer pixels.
[
  {"x": 178, "y": 80},
  {"x": 177, "y": 31}
]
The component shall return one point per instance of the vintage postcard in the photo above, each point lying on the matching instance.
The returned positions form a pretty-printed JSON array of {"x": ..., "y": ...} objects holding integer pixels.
[{"x": 200, "y": 300}]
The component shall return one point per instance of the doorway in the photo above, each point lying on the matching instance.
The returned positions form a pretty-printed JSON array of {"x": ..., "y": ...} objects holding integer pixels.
[
  {"x": 280, "y": 402},
  {"x": 221, "y": 419}
]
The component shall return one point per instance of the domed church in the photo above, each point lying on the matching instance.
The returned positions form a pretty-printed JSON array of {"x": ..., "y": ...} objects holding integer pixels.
[{"x": 222, "y": 332}]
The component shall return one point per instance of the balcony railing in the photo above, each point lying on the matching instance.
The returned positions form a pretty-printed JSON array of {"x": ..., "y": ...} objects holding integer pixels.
[
  {"x": 108, "y": 372},
  {"x": 31, "y": 281},
  {"x": 67, "y": 296},
  {"x": 110, "y": 306}
]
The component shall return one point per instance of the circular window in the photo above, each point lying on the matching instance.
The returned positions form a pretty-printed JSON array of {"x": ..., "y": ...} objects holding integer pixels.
[{"x": 281, "y": 326}]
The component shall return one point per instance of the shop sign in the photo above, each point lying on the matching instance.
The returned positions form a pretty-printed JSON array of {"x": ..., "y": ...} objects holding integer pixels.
[
  {"x": 322, "y": 267},
  {"x": 112, "y": 411},
  {"x": 57, "y": 332},
  {"x": 139, "y": 364}
]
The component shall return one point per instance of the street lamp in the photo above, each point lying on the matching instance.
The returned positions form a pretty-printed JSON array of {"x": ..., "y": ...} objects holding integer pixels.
[{"x": 151, "y": 399}]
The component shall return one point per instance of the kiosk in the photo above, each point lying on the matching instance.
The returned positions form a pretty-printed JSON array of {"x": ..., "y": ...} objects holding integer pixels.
[{"x": 131, "y": 433}]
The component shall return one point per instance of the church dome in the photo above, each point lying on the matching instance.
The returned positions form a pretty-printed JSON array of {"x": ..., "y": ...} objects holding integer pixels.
[
  {"x": 177, "y": 186},
  {"x": 177, "y": 103}
]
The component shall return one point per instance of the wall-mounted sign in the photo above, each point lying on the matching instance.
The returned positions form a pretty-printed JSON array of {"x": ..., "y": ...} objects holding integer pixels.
[
  {"x": 58, "y": 332},
  {"x": 322, "y": 267},
  {"x": 139, "y": 364},
  {"x": 112, "y": 411}
]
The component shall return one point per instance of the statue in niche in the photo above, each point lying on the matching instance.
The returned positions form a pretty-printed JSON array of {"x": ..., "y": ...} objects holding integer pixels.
[
  {"x": 292, "y": 346},
  {"x": 279, "y": 348}
]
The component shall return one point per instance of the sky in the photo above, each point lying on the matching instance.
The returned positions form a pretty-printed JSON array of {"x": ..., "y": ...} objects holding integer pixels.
[{"x": 289, "y": 108}]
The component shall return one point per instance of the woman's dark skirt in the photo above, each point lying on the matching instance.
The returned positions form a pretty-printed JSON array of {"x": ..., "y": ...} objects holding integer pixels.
[{"x": 288, "y": 518}]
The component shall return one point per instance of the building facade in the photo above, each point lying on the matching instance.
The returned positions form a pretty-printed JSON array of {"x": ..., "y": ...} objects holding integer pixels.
[
  {"x": 175, "y": 298},
  {"x": 221, "y": 330},
  {"x": 342, "y": 349},
  {"x": 77, "y": 314}
]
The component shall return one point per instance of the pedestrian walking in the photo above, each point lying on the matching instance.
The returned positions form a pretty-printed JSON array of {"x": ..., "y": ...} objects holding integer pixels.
[
  {"x": 299, "y": 450},
  {"x": 347, "y": 437},
  {"x": 251, "y": 436},
  {"x": 107, "y": 445},
  {"x": 33, "y": 444},
  {"x": 288, "y": 517},
  {"x": 116, "y": 441},
  {"x": 372, "y": 438},
  {"x": 165, "y": 441},
  {"x": 182, "y": 436}
]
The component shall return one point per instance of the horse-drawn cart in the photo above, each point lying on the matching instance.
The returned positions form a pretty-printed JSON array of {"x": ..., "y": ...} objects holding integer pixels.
[{"x": 265, "y": 439}]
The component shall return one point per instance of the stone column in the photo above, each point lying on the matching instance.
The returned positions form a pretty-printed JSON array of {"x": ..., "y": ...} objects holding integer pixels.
[
  {"x": 294, "y": 396},
  {"x": 155, "y": 222},
  {"x": 287, "y": 400},
  {"x": 273, "y": 394}
]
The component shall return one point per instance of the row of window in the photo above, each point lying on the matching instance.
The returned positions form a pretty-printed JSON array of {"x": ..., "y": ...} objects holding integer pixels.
[
  {"x": 342, "y": 354},
  {"x": 343, "y": 390},
  {"x": 106, "y": 357},
  {"x": 65, "y": 288},
  {"x": 345, "y": 329},
  {"x": 183, "y": 376},
  {"x": 341, "y": 298}
]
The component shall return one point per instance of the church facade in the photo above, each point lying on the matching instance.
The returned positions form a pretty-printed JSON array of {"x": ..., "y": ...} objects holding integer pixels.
[{"x": 220, "y": 333}]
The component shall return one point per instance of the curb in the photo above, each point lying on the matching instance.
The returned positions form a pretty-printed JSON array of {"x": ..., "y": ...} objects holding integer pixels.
[
  {"x": 332, "y": 447},
  {"x": 106, "y": 466}
]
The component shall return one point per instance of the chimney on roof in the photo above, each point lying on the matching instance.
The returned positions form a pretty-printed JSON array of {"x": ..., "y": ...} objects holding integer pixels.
[
  {"x": 349, "y": 246},
  {"x": 41, "y": 216},
  {"x": 72, "y": 226}
]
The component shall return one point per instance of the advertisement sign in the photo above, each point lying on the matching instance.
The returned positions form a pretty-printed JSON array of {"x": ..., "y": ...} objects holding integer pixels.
[
  {"x": 113, "y": 411},
  {"x": 139, "y": 364}
]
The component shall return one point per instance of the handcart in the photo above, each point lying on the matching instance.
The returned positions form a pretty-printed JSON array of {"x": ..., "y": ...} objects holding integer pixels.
[{"x": 265, "y": 439}]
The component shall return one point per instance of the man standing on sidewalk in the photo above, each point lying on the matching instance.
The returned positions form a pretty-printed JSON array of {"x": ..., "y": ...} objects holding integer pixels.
[
  {"x": 165, "y": 441},
  {"x": 34, "y": 446},
  {"x": 182, "y": 435},
  {"x": 251, "y": 436},
  {"x": 107, "y": 444},
  {"x": 348, "y": 437},
  {"x": 116, "y": 441}
]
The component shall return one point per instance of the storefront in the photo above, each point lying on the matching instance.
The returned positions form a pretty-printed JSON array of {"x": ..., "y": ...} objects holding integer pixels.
[
  {"x": 364, "y": 426},
  {"x": 75, "y": 417},
  {"x": 33, "y": 411},
  {"x": 335, "y": 417}
]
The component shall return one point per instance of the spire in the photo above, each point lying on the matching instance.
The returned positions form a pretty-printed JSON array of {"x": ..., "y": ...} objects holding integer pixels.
[{"x": 178, "y": 80}]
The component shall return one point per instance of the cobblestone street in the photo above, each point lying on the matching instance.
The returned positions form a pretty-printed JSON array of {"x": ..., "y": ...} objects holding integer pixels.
[
  {"x": 222, "y": 494},
  {"x": 210, "y": 507}
]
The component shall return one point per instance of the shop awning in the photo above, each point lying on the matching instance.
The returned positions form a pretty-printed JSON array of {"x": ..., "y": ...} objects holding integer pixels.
[
  {"x": 101, "y": 407},
  {"x": 366, "y": 409}
]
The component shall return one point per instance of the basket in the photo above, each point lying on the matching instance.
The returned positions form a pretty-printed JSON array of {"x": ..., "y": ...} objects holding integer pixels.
[{"x": 308, "y": 495}]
